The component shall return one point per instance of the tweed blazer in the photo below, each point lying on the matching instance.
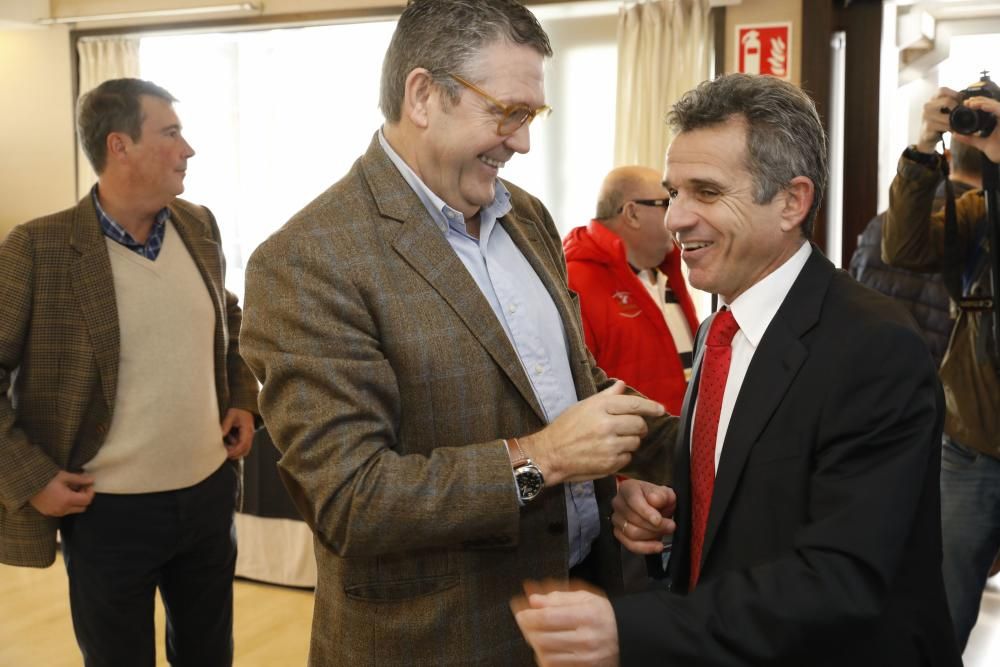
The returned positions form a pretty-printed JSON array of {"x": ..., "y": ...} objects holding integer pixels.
[
  {"x": 59, "y": 352},
  {"x": 388, "y": 384}
]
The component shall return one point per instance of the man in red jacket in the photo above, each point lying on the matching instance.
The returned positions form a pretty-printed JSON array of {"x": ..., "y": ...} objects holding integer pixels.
[{"x": 638, "y": 318}]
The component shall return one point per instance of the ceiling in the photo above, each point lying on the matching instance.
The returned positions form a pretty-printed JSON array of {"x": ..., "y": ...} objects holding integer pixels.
[{"x": 955, "y": 10}]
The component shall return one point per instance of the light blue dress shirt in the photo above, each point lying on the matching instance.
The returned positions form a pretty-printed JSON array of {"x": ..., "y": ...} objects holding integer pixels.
[{"x": 527, "y": 314}]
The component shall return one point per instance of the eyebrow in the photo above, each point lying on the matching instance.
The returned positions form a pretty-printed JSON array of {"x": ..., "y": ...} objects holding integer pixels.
[
  {"x": 698, "y": 183},
  {"x": 168, "y": 128}
]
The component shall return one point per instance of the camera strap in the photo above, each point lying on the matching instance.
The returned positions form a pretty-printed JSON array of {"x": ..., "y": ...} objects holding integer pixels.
[
  {"x": 952, "y": 264},
  {"x": 964, "y": 275}
]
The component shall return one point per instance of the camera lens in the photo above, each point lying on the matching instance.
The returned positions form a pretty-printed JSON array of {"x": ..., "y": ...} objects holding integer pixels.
[{"x": 964, "y": 120}]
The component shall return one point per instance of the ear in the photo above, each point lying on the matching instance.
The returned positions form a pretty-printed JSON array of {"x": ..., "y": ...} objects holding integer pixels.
[
  {"x": 117, "y": 144},
  {"x": 798, "y": 195},
  {"x": 629, "y": 215},
  {"x": 418, "y": 92}
]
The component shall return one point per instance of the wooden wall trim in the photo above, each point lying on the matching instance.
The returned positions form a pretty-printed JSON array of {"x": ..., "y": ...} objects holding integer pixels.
[{"x": 861, "y": 21}]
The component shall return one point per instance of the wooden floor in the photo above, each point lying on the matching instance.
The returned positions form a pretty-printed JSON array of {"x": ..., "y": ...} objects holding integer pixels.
[{"x": 271, "y": 623}]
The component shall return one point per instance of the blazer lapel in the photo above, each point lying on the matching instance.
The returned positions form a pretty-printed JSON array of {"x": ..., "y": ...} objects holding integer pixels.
[
  {"x": 422, "y": 245},
  {"x": 775, "y": 364},
  {"x": 94, "y": 288},
  {"x": 205, "y": 253}
]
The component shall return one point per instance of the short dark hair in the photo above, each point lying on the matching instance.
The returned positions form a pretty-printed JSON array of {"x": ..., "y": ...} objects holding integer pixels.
[
  {"x": 444, "y": 36},
  {"x": 113, "y": 106},
  {"x": 785, "y": 137}
]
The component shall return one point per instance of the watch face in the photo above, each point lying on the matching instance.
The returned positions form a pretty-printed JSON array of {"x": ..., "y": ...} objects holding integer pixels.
[{"x": 529, "y": 481}]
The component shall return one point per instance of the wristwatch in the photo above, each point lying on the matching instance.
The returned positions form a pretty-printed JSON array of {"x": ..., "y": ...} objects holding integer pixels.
[{"x": 528, "y": 477}]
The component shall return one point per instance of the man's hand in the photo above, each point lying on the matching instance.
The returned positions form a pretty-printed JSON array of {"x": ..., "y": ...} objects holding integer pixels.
[
  {"x": 935, "y": 119},
  {"x": 592, "y": 439},
  {"x": 567, "y": 627},
  {"x": 989, "y": 145},
  {"x": 66, "y": 493},
  {"x": 643, "y": 515},
  {"x": 237, "y": 432}
]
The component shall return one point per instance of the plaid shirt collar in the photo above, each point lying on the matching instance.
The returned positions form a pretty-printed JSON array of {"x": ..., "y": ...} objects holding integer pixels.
[{"x": 151, "y": 249}]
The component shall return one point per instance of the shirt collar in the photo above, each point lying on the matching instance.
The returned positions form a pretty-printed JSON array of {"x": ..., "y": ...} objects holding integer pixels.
[
  {"x": 443, "y": 215},
  {"x": 756, "y": 307},
  {"x": 115, "y": 231}
]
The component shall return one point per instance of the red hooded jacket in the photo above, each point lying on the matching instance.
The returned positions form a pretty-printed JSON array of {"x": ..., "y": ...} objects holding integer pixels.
[{"x": 624, "y": 327}]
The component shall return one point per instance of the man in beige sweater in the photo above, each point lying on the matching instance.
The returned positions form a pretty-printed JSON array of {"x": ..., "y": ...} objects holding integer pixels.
[{"x": 122, "y": 393}]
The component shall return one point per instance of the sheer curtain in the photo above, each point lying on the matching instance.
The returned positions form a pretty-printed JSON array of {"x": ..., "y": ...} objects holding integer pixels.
[
  {"x": 274, "y": 116},
  {"x": 102, "y": 58},
  {"x": 663, "y": 51}
]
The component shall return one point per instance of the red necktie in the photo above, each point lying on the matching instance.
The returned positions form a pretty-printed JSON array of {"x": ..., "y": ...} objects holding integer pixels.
[{"x": 711, "y": 387}]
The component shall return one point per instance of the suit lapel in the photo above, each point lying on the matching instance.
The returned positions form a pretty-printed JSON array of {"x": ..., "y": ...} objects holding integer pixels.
[
  {"x": 777, "y": 360},
  {"x": 422, "y": 245},
  {"x": 94, "y": 288}
]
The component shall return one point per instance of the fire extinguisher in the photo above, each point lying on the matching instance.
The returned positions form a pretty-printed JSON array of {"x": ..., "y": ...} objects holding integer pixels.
[{"x": 751, "y": 52}]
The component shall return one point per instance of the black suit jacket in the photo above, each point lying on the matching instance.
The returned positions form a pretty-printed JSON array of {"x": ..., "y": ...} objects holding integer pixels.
[{"x": 823, "y": 544}]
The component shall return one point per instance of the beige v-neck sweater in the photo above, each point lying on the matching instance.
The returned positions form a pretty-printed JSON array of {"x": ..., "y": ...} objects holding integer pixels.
[{"x": 165, "y": 431}]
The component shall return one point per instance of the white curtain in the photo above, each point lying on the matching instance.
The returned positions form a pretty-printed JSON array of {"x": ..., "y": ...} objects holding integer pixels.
[
  {"x": 102, "y": 58},
  {"x": 663, "y": 51}
]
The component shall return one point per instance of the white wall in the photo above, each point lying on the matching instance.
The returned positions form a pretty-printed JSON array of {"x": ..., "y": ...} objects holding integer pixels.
[{"x": 36, "y": 125}]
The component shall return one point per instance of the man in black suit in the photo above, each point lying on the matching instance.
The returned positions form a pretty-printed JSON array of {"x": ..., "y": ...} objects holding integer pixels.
[{"x": 812, "y": 496}]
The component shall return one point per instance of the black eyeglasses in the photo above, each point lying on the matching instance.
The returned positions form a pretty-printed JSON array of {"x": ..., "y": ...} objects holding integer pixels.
[{"x": 659, "y": 203}]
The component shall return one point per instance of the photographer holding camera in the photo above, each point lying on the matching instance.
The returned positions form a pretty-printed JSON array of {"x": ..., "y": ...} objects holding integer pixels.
[{"x": 914, "y": 238}]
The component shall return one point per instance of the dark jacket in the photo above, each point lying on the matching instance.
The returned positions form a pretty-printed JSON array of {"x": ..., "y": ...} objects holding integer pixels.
[
  {"x": 823, "y": 543},
  {"x": 923, "y": 294},
  {"x": 913, "y": 238}
]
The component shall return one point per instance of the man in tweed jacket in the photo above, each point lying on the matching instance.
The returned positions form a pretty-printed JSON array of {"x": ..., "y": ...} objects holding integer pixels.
[
  {"x": 122, "y": 393},
  {"x": 417, "y": 346}
]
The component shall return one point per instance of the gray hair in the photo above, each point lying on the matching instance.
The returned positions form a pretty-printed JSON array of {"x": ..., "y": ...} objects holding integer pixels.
[
  {"x": 608, "y": 203},
  {"x": 113, "y": 106},
  {"x": 445, "y": 36},
  {"x": 785, "y": 137}
]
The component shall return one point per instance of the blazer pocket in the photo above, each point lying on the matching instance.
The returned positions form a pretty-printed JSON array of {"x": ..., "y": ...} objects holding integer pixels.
[
  {"x": 403, "y": 576},
  {"x": 405, "y": 589}
]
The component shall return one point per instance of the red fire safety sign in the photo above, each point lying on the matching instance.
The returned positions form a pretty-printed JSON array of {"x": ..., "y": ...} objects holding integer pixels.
[{"x": 765, "y": 48}]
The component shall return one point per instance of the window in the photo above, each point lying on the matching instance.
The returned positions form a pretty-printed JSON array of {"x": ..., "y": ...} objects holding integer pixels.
[
  {"x": 274, "y": 117},
  {"x": 278, "y": 116}
]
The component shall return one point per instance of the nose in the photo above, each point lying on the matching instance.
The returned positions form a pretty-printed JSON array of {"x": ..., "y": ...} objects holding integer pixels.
[
  {"x": 519, "y": 141},
  {"x": 188, "y": 151},
  {"x": 677, "y": 217}
]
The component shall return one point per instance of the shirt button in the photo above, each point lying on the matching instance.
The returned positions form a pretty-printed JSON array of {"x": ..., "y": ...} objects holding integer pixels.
[
  {"x": 539, "y": 369},
  {"x": 511, "y": 309}
]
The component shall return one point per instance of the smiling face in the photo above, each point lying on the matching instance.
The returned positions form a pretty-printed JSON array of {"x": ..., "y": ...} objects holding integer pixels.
[
  {"x": 728, "y": 241},
  {"x": 158, "y": 160},
  {"x": 460, "y": 152}
]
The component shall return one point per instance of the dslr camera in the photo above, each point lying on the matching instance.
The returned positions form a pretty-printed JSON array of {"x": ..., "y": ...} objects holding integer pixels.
[{"x": 964, "y": 120}]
